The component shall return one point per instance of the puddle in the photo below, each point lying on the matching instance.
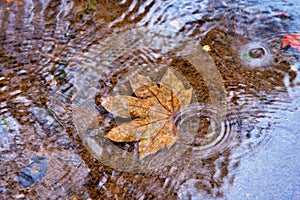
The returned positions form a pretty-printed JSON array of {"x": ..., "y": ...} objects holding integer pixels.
[{"x": 237, "y": 134}]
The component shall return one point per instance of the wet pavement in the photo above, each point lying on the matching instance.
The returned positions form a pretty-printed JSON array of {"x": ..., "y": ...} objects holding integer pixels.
[{"x": 59, "y": 58}]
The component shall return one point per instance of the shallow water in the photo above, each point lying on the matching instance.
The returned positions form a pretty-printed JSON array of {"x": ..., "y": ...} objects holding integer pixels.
[{"x": 237, "y": 140}]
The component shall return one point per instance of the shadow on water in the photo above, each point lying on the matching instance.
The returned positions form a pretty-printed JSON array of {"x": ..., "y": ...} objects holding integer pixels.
[{"x": 47, "y": 47}]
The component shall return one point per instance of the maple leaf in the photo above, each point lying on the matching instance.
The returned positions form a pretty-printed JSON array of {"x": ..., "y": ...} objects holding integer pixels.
[
  {"x": 292, "y": 40},
  {"x": 153, "y": 111}
]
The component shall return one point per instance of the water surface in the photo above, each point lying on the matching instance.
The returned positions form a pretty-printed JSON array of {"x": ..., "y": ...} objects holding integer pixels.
[{"x": 57, "y": 54}]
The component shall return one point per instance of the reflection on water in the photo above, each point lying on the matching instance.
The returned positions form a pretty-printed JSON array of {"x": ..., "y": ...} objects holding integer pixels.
[{"x": 43, "y": 52}]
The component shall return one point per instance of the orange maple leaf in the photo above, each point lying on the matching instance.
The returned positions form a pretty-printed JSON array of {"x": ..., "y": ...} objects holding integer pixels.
[{"x": 292, "y": 40}]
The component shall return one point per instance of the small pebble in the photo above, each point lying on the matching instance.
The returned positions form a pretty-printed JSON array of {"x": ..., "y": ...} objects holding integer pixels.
[
  {"x": 34, "y": 171},
  {"x": 206, "y": 48}
]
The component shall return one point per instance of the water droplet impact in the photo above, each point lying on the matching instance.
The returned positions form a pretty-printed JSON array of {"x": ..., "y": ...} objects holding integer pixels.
[
  {"x": 215, "y": 132},
  {"x": 255, "y": 54}
]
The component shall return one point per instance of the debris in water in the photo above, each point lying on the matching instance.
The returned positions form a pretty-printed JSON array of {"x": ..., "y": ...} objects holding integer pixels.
[
  {"x": 292, "y": 40},
  {"x": 34, "y": 172},
  {"x": 206, "y": 48}
]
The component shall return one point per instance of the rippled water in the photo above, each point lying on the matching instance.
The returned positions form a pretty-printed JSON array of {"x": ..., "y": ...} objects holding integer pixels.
[{"x": 58, "y": 58}]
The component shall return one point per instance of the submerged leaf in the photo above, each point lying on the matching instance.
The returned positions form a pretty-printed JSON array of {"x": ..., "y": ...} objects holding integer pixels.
[
  {"x": 159, "y": 141},
  {"x": 118, "y": 105},
  {"x": 145, "y": 90},
  {"x": 127, "y": 106},
  {"x": 138, "y": 81},
  {"x": 153, "y": 112},
  {"x": 171, "y": 81},
  {"x": 134, "y": 130}
]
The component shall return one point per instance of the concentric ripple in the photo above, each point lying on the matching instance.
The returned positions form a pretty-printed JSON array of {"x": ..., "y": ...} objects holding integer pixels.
[
  {"x": 255, "y": 54},
  {"x": 215, "y": 134},
  {"x": 105, "y": 60}
]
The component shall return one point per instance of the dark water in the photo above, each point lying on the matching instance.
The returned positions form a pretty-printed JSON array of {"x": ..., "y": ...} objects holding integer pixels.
[{"x": 238, "y": 138}]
